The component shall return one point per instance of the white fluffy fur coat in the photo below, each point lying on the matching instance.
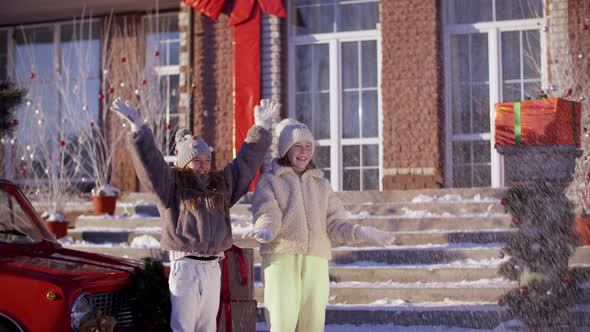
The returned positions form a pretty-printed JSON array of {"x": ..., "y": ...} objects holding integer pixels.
[{"x": 303, "y": 214}]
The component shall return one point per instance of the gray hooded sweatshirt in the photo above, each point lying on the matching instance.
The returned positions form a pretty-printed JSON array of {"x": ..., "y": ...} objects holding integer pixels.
[{"x": 186, "y": 227}]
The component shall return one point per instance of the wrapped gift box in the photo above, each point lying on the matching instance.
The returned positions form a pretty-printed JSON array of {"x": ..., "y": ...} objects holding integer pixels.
[
  {"x": 550, "y": 121},
  {"x": 243, "y": 317}
]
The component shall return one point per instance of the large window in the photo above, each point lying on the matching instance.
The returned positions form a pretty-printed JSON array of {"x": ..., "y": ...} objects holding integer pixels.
[
  {"x": 162, "y": 64},
  {"x": 334, "y": 87},
  {"x": 494, "y": 50}
]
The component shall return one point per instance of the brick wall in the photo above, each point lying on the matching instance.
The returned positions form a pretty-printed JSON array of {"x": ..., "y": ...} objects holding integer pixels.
[
  {"x": 413, "y": 122},
  {"x": 213, "y": 79}
]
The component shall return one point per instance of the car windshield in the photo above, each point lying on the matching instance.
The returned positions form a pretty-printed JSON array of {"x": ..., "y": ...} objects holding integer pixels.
[{"x": 16, "y": 226}]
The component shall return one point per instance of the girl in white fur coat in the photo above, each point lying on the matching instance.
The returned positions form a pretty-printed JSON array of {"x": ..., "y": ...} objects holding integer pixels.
[{"x": 297, "y": 217}]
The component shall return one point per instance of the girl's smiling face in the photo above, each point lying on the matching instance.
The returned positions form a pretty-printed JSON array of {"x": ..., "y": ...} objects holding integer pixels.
[
  {"x": 299, "y": 154},
  {"x": 201, "y": 164}
]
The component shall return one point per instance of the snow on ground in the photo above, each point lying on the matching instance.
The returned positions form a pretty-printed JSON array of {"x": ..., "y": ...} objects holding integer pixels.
[
  {"x": 481, "y": 283},
  {"x": 145, "y": 241},
  {"x": 409, "y": 213},
  {"x": 383, "y": 328},
  {"x": 117, "y": 229},
  {"x": 462, "y": 263},
  {"x": 453, "y": 198},
  {"x": 449, "y": 246}
]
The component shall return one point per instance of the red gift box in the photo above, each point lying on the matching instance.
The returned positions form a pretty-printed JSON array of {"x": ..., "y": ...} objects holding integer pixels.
[{"x": 550, "y": 121}]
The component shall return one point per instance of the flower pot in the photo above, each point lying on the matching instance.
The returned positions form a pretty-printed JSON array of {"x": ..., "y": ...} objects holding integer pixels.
[
  {"x": 104, "y": 204},
  {"x": 58, "y": 228},
  {"x": 582, "y": 226}
]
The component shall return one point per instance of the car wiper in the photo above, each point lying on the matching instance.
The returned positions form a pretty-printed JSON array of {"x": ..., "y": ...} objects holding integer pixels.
[{"x": 13, "y": 232}]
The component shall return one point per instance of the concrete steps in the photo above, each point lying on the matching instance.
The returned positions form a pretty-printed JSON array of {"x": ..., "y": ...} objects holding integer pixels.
[{"x": 441, "y": 272}]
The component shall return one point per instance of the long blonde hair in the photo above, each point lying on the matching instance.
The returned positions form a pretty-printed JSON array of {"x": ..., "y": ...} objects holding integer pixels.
[{"x": 190, "y": 190}]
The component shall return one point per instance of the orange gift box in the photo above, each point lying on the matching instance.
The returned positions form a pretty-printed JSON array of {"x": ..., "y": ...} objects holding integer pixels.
[{"x": 550, "y": 121}]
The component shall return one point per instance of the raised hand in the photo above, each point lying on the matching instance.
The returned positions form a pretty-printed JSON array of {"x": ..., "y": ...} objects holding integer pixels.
[
  {"x": 266, "y": 113},
  {"x": 374, "y": 236},
  {"x": 126, "y": 112}
]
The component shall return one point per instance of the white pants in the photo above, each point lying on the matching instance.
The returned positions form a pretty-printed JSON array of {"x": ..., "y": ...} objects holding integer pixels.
[{"x": 195, "y": 288}]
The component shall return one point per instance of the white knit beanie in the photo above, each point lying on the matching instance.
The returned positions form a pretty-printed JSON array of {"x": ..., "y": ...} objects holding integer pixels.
[
  {"x": 188, "y": 147},
  {"x": 291, "y": 131}
]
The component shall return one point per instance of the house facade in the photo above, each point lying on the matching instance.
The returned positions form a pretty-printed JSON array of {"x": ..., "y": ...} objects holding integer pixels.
[{"x": 398, "y": 93}]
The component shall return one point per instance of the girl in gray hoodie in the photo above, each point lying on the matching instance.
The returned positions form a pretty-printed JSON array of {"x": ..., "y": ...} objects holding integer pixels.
[{"x": 194, "y": 200}]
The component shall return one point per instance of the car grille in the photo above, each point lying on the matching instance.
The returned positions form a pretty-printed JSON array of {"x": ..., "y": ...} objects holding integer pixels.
[{"x": 115, "y": 304}]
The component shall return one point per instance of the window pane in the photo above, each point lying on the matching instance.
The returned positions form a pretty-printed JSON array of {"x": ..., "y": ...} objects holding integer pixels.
[
  {"x": 350, "y": 68},
  {"x": 351, "y": 155},
  {"x": 511, "y": 55},
  {"x": 479, "y": 57},
  {"x": 321, "y": 128},
  {"x": 321, "y": 157},
  {"x": 461, "y": 176},
  {"x": 511, "y": 92},
  {"x": 321, "y": 57},
  {"x": 469, "y": 11},
  {"x": 532, "y": 54},
  {"x": 369, "y": 118},
  {"x": 359, "y": 16},
  {"x": 173, "y": 95},
  {"x": 531, "y": 89},
  {"x": 461, "y": 153},
  {"x": 351, "y": 180},
  {"x": 369, "y": 64},
  {"x": 481, "y": 176},
  {"x": 303, "y": 109},
  {"x": 518, "y": 9},
  {"x": 460, "y": 58},
  {"x": 481, "y": 151},
  {"x": 314, "y": 18},
  {"x": 480, "y": 102},
  {"x": 371, "y": 155},
  {"x": 371, "y": 179},
  {"x": 3, "y": 55},
  {"x": 303, "y": 68},
  {"x": 80, "y": 50},
  {"x": 461, "y": 109},
  {"x": 34, "y": 53},
  {"x": 162, "y": 35},
  {"x": 350, "y": 114}
]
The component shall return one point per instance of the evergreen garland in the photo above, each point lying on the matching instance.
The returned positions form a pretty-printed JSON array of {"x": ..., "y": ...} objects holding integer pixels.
[
  {"x": 539, "y": 255},
  {"x": 151, "y": 306},
  {"x": 10, "y": 96}
]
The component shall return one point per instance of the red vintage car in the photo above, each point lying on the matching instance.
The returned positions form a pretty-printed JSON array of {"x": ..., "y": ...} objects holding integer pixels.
[{"x": 45, "y": 287}]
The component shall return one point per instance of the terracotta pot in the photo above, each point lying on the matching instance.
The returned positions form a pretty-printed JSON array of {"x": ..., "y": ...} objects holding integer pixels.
[
  {"x": 104, "y": 204},
  {"x": 582, "y": 226},
  {"x": 58, "y": 228}
]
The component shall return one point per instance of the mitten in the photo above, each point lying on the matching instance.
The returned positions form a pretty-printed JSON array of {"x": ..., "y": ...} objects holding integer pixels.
[
  {"x": 266, "y": 113},
  {"x": 126, "y": 112},
  {"x": 262, "y": 235},
  {"x": 374, "y": 236}
]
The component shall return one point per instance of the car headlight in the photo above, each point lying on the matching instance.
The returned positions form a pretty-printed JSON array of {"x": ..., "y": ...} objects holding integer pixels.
[{"x": 81, "y": 307}]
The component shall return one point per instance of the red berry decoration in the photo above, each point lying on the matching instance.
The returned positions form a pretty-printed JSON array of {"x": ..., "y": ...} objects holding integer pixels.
[
  {"x": 23, "y": 171},
  {"x": 584, "y": 26},
  {"x": 501, "y": 302},
  {"x": 566, "y": 278},
  {"x": 62, "y": 143},
  {"x": 515, "y": 220},
  {"x": 156, "y": 53},
  {"x": 123, "y": 59},
  {"x": 100, "y": 96},
  {"x": 32, "y": 76},
  {"x": 143, "y": 82},
  {"x": 14, "y": 122},
  {"x": 568, "y": 92},
  {"x": 524, "y": 291},
  {"x": 168, "y": 127},
  {"x": 111, "y": 90},
  {"x": 91, "y": 124},
  {"x": 504, "y": 202}
]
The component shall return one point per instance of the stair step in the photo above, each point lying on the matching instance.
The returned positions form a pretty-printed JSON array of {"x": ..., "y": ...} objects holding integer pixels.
[
  {"x": 115, "y": 235},
  {"x": 426, "y": 318},
  {"x": 342, "y": 255}
]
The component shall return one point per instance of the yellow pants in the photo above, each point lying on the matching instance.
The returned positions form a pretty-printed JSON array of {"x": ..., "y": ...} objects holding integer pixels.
[{"x": 296, "y": 291}]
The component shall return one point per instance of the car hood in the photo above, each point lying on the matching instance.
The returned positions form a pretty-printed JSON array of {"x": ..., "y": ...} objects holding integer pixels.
[{"x": 87, "y": 269}]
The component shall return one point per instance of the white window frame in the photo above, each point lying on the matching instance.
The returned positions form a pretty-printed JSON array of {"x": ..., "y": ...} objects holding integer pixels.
[
  {"x": 494, "y": 30},
  {"x": 333, "y": 40}
]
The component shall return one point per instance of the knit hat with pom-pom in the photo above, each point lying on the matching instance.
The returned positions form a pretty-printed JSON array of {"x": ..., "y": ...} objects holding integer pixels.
[
  {"x": 188, "y": 147},
  {"x": 291, "y": 131}
]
